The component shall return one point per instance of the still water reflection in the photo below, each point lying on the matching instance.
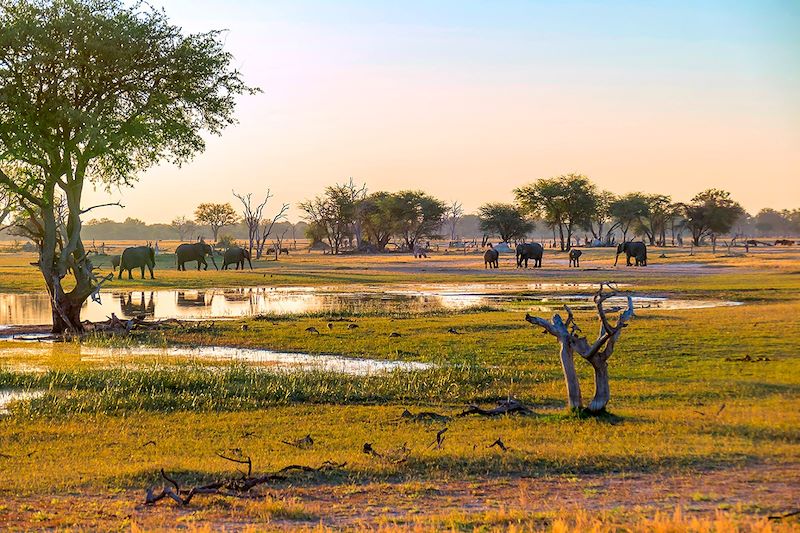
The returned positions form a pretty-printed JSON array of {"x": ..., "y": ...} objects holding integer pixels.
[{"x": 21, "y": 309}]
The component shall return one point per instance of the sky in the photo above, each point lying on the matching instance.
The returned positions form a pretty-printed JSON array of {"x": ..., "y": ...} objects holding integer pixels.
[{"x": 469, "y": 99}]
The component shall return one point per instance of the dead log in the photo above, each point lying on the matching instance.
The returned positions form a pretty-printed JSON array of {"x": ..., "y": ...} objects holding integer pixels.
[
  {"x": 231, "y": 487},
  {"x": 504, "y": 407},
  {"x": 424, "y": 416},
  {"x": 597, "y": 354}
]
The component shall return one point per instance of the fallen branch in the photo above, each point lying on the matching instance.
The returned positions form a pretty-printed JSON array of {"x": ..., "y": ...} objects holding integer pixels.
[
  {"x": 424, "y": 416},
  {"x": 231, "y": 487},
  {"x": 505, "y": 407}
]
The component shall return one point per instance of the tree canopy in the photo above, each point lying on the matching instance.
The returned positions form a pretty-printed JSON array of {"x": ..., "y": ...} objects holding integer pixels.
[
  {"x": 505, "y": 220},
  {"x": 96, "y": 91},
  {"x": 711, "y": 213},
  {"x": 565, "y": 203}
]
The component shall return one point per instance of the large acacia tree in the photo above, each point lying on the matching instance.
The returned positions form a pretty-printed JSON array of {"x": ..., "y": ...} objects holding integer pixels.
[
  {"x": 505, "y": 220},
  {"x": 565, "y": 203},
  {"x": 94, "y": 91}
]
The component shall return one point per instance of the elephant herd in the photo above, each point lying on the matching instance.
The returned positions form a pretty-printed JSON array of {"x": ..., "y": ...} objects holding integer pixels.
[
  {"x": 142, "y": 257},
  {"x": 534, "y": 251}
]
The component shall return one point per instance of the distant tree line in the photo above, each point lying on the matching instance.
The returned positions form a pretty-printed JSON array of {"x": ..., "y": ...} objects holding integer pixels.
[
  {"x": 346, "y": 216},
  {"x": 568, "y": 209}
]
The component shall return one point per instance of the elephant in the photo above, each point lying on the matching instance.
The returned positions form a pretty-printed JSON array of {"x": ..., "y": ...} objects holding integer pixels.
[
  {"x": 637, "y": 250},
  {"x": 115, "y": 259},
  {"x": 490, "y": 258},
  {"x": 529, "y": 250},
  {"x": 237, "y": 256},
  {"x": 196, "y": 251},
  {"x": 137, "y": 257},
  {"x": 575, "y": 257}
]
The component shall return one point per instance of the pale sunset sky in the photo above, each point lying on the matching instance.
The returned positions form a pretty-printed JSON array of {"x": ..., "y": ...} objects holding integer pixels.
[{"x": 469, "y": 99}]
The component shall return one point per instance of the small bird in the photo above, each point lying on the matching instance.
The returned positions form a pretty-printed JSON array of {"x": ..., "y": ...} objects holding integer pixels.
[
  {"x": 330, "y": 325},
  {"x": 352, "y": 326},
  {"x": 312, "y": 329},
  {"x": 394, "y": 334},
  {"x": 453, "y": 331},
  {"x": 245, "y": 327}
]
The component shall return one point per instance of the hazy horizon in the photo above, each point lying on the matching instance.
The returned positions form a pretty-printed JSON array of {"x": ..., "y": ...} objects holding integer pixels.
[{"x": 468, "y": 100}]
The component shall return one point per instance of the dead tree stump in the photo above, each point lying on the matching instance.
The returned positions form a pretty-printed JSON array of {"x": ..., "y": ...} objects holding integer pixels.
[{"x": 596, "y": 354}]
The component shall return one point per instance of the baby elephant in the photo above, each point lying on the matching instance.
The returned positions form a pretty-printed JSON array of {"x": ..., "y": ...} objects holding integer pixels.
[
  {"x": 115, "y": 259},
  {"x": 490, "y": 258},
  {"x": 575, "y": 257}
]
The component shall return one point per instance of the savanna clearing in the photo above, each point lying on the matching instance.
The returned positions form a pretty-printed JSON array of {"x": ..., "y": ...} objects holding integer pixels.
[{"x": 702, "y": 429}]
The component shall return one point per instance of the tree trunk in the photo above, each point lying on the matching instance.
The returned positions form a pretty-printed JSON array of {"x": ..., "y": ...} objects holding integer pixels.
[
  {"x": 602, "y": 391},
  {"x": 570, "y": 375}
]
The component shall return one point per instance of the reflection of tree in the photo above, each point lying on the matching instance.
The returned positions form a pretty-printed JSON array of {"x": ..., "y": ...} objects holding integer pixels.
[
  {"x": 144, "y": 306},
  {"x": 199, "y": 300}
]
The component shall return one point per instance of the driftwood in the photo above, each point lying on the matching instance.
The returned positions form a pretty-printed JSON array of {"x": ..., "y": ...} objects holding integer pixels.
[
  {"x": 232, "y": 487},
  {"x": 505, "y": 407},
  {"x": 569, "y": 336},
  {"x": 114, "y": 324}
]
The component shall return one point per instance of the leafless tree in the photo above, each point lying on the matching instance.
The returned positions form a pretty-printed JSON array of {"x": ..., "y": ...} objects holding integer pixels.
[
  {"x": 183, "y": 226},
  {"x": 451, "y": 217},
  {"x": 569, "y": 336},
  {"x": 266, "y": 229},
  {"x": 251, "y": 216},
  {"x": 277, "y": 243}
]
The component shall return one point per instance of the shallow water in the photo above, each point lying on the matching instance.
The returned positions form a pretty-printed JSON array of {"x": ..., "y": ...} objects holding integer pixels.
[
  {"x": 24, "y": 309},
  {"x": 112, "y": 356},
  {"x": 8, "y": 395}
]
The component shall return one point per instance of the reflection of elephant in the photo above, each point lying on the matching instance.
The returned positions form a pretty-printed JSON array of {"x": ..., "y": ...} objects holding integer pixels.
[
  {"x": 237, "y": 256},
  {"x": 529, "y": 250},
  {"x": 490, "y": 258},
  {"x": 637, "y": 250},
  {"x": 196, "y": 251},
  {"x": 198, "y": 301},
  {"x": 137, "y": 257},
  {"x": 145, "y": 307},
  {"x": 575, "y": 257}
]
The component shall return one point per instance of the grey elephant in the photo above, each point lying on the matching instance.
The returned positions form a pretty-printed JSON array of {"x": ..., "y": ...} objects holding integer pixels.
[
  {"x": 529, "y": 250},
  {"x": 137, "y": 257},
  {"x": 491, "y": 258},
  {"x": 637, "y": 250},
  {"x": 115, "y": 259},
  {"x": 196, "y": 251},
  {"x": 237, "y": 256},
  {"x": 575, "y": 257}
]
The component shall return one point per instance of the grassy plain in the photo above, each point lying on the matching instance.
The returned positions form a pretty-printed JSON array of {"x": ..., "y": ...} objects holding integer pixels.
[{"x": 703, "y": 433}]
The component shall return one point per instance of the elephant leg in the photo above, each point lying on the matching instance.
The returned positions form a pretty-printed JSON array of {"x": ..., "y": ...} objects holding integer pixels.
[
  {"x": 130, "y": 275},
  {"x": 119, "y": 276},
  {"x": 142, "y": 269},
  {"x": 150, "y": 268}
]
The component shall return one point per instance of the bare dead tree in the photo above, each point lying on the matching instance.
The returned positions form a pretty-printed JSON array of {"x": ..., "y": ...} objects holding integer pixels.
[
  {"x": 454, "y": 213},
  {"x": 251, "y": 215},
  {"x": 597, "y": 354},
  {"x": 277, "y": 243},
  {"x": 266, "y": 229}
]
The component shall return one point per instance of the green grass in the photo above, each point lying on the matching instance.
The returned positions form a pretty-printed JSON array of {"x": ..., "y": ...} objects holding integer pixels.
[{"x": 681, "y": 402}]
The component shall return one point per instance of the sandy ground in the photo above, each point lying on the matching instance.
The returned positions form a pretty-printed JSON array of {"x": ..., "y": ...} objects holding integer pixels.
[{"x": 757, "y": 490}]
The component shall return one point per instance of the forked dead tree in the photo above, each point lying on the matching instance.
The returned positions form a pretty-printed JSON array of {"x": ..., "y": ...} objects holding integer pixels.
[{"x": 572, "y": 341}]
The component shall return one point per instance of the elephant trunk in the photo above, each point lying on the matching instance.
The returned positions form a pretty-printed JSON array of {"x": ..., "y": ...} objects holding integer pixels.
[
  {"x": 211, "y": 255},
  {"x": 617, "y": 259}
]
